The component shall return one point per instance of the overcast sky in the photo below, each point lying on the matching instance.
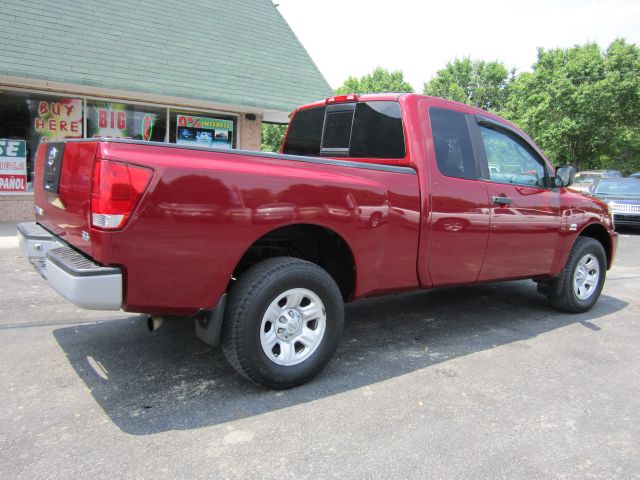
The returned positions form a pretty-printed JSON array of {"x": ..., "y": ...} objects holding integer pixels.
[{"x": 347, "y": 37}]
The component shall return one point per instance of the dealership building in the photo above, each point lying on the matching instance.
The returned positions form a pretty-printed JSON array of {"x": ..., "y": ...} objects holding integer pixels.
[{"x": 196, "y": 73}]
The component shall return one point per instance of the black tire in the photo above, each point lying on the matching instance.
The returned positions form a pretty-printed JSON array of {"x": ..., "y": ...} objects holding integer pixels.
[
  {"x": 564, "y": 297},
  {"x": 254, "y": 292}
]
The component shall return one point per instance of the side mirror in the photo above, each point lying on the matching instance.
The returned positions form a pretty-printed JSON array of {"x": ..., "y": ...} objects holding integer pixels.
[{"x": 564, "y": 176}]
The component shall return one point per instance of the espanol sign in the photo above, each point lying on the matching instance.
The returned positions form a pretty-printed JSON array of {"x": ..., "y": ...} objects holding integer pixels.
[{"x": 13, "y": 166}]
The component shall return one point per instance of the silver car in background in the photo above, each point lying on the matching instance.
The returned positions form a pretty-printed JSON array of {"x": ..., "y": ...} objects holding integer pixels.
[{"x": 584, "y": 180}]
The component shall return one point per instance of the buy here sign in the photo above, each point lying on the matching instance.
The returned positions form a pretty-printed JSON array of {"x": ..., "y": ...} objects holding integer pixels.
[{"x": 13, "y": 166}]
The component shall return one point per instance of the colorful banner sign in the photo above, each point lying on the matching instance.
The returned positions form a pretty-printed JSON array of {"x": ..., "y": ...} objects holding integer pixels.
[
  {"x": 205, "y": 132},
  {"x": 13, "y": 166},
  {"x": 117, "y": 120},
  {"x": 58, "y": 119}
]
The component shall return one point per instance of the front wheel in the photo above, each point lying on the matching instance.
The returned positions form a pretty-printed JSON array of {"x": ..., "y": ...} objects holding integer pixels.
[
  {"x": 282, "y": 324},
  {"x": 583, "y": 278}
]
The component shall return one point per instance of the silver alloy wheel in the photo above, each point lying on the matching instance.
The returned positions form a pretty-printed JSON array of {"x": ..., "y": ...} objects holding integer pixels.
[
  {"x": 586, "y": 276},
  {"x": 293, "y": 326}
]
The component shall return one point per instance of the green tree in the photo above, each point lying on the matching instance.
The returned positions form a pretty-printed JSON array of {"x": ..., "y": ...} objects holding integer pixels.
[
  {"x": 474, "y": 82},
  {"x": 381, "y": 80},
  {"x": 272, "y": 136},
  {"x": 582, "y": 105},
  {"x": 622, "y": 61}
]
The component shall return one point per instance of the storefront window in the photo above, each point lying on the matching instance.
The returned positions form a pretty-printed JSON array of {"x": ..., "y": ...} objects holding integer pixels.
[
  {"x": 206, "y": 130},
  {"x": 35, "y": 118},
  {"x": 119, "y": 120},
  {"x": 56, "y": 118}
]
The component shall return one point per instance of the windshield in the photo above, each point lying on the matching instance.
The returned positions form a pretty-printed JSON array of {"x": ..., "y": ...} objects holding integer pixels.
[{"x": 617, "y": 187}]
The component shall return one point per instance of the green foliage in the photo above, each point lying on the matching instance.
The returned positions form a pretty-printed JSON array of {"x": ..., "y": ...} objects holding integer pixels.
[
  {"x": 272, "y": 136},
  {"x": 380, "y": 80},
  {"x": 474, "y": 82},
  {"x": 623, "y": 86},
  {"x": 582, "y": 105}
]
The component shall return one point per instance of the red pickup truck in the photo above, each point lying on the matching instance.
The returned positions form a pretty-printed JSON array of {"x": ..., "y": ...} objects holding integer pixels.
[{"x": 370, "y": 195}]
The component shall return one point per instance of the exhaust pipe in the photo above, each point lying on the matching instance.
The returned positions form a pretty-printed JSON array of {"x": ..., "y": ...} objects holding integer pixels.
[{"x": 154, "y": 322}]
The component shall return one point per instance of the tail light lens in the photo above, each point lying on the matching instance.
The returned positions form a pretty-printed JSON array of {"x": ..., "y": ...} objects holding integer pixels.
[{"x": 115, "y": 191}]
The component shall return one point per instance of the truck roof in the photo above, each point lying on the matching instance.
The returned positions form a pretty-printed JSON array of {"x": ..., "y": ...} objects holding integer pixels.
[
  {"x": 414, "y": 98},
  {"x": 391, "y": 96},
  {"x": 358, "y": 97}
]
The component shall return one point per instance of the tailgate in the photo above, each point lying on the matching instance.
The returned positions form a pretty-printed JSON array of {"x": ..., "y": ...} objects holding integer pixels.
[{"x": 62, "y": 185}]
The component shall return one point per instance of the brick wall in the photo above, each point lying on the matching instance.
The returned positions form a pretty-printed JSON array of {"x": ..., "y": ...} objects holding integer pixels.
[
  {"x": 16, "y": 208},
  {"x": 250, "y": 133}
]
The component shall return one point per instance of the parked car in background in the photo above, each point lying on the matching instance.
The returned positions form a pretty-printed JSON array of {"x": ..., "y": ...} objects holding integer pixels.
[
  {"x": 583, "y": 181},
  {"x": 635, "y": 175},
  {"x": 623, "y": 197}
]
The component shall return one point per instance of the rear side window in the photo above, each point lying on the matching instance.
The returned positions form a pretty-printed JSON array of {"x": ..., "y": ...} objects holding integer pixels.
[
  {"x": 377, "y": 131},
  {"x": 357, "y": 130},
  {"x": 305, "y": 132},
  {"x": 452, "y": 143}
]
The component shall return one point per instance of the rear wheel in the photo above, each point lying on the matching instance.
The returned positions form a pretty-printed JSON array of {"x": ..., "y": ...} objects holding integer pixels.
[
  {"x": 583, "y": 278},
  {"x": 282, "y": 324}
]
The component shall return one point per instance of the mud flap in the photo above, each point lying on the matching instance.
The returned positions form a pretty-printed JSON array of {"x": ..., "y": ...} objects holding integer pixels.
[{"x": 209, "y": 323}]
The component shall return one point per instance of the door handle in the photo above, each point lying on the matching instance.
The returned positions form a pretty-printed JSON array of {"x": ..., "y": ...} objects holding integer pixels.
[{"x": 501, "y": 200}]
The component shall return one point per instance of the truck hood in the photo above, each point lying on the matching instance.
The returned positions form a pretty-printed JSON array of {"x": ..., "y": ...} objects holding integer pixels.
[{"x": 573, "y": 199}]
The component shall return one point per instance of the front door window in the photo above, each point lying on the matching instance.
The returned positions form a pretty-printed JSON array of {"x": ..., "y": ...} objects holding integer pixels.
[{"x": 510, "y": 161}]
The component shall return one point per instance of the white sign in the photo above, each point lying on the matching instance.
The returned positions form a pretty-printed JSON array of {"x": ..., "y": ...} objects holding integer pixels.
[{"x": 13, "y": 166}]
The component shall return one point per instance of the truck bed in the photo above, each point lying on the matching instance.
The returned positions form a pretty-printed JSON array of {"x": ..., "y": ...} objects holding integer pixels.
[{"x": 203, "y": 209}]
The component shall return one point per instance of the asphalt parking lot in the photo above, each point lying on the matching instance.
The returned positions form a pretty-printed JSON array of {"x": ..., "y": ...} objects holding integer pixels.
[{"x": 478, "y": 382}]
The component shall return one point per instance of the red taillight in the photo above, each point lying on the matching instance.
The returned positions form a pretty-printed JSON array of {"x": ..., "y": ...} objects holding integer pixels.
[
  {"x": 115, "y": 191},
  {"x": 352, "y": 97}
]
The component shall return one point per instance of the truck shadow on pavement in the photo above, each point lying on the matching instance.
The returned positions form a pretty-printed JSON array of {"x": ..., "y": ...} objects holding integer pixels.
[{"x": 169, "y": 380}]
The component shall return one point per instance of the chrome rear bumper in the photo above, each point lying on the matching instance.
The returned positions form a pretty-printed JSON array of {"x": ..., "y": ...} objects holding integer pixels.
[
  {"x": 70, "y": 273},
  {"x": 35, "y": 242}
]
